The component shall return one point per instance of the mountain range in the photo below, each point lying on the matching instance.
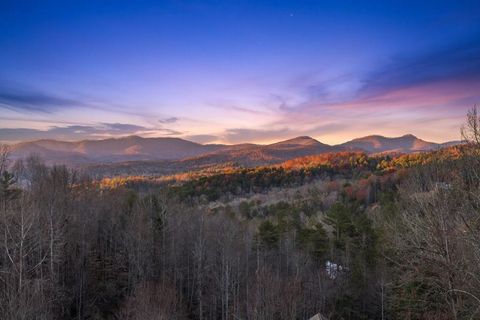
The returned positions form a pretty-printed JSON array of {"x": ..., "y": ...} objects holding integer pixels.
[{"x": 135, "y": 148}]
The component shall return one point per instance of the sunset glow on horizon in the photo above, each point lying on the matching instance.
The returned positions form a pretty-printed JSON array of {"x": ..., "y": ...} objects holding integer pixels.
[{"x": 236, "y": 72}]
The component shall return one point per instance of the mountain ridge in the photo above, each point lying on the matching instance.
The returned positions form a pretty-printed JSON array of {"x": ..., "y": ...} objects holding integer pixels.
[
  {"x": 136, "y": 148},
  {"x": 378, "y": 143}
]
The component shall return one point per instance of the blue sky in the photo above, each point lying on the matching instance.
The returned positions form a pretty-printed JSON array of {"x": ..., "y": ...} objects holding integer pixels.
[{"x": 237, "y": 71}]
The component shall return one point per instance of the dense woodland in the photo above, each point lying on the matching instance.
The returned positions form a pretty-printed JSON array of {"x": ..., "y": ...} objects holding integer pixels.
[{"x": 369, "y": 237}]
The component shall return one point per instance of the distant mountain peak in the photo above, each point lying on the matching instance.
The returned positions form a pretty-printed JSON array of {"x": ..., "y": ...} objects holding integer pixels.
[
  {"x": 378, "y": 136},
  {"x": 301, "y": 140},
  {"x": 403, "y": 144}
]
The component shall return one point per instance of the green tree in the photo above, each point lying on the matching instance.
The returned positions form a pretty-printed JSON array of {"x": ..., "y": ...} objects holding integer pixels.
[
  {"x": 268, "y": 234},
  {"x": 244, "y": 208},
  {"x": 314, "y": 240},
  {"x": 339, "y": 217}
]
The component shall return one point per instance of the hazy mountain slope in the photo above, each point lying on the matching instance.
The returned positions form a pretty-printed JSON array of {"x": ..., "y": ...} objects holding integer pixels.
[
  {"x": 137, "y": 148},
  {"x": 451, "y": 143},
  {"x": 49, "y": 151},
  {"x": 251, "y": 154},
  {"x": 375, "y": 143},
  {"x": 297, "y": 147},
  {"x": 122, "y": 149},
  {"x": 298, "y": 141}
]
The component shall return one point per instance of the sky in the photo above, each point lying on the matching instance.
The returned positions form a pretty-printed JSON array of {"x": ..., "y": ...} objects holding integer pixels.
[{"x": 237, "y": 71}]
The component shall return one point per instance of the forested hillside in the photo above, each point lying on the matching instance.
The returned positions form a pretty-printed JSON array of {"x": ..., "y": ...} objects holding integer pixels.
[{"x": 346, "y": 235}]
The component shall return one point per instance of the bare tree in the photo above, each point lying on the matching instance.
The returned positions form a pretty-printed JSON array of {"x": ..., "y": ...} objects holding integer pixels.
[
  {"x": 150, "y": 301},
  {"x": 4, "y": 153},
  {"x": 471, "y": 129},
  {"x": 436, "y": 244}
]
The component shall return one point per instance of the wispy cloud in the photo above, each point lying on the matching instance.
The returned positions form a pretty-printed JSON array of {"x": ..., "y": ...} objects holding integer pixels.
[
  {"x": 169, "y": 120},
  {"x": 34, "y": 101},
  {"x": 406, "y": 77},
  {"x": 79, "y": 132},
  {"x": 166, "y": 132},
  {"x": 240, "y": 135},
  {"x": 457, "y": 62},
  {"x": 229, "y": 105},
  {"x": 123, "y": 127}
]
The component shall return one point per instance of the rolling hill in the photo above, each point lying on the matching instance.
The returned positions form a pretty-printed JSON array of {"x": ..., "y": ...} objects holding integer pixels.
[
  {"x": 380, "y": 144},
  {"x": 131, "y": 148},
  {"x": 134, "y": 152}
]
